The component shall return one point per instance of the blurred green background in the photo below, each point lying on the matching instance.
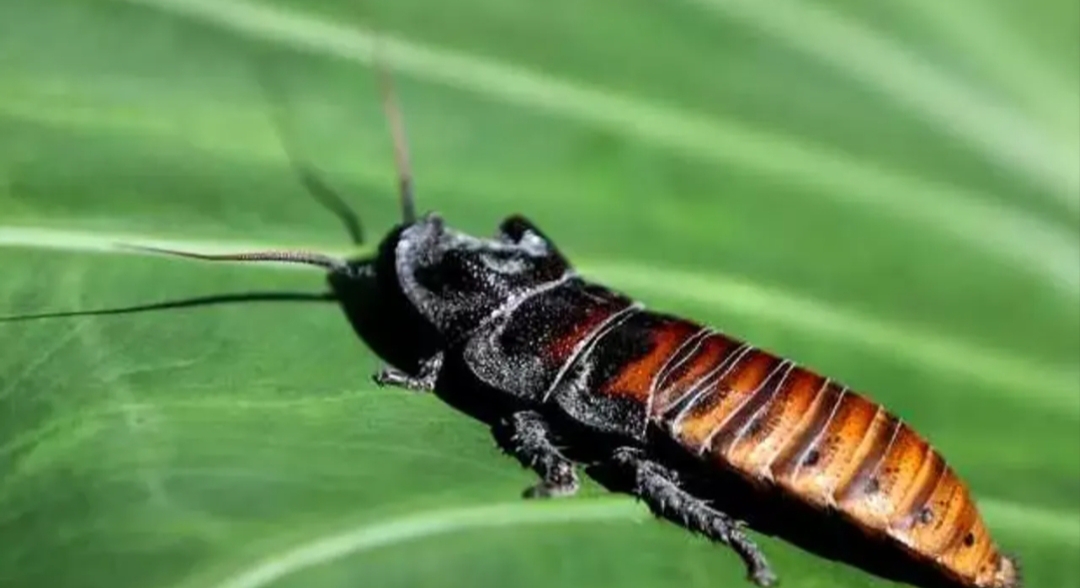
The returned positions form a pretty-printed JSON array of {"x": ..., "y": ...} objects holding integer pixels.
[{"x": 887, "y": 192}]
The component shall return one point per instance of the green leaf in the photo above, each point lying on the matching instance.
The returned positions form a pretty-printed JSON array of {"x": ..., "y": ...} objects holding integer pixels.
[{"x": 885, "y": 192}]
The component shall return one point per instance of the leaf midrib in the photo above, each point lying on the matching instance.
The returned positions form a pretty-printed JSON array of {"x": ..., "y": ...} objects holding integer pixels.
[{"x": 371, "y": 535}]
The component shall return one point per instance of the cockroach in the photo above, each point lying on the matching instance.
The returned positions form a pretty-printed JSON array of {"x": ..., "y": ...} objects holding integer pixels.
[{"x": 451, "y": 313}]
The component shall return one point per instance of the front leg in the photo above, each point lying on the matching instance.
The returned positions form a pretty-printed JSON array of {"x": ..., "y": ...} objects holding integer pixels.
[
  {"x": 527, "y": 436},
  {"x": 423, "y": 382},
  {"x": 659, "y": 488}
]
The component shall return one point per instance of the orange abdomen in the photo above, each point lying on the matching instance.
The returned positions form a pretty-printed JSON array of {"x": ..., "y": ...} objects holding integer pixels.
[{"x": 781, "y": 425}]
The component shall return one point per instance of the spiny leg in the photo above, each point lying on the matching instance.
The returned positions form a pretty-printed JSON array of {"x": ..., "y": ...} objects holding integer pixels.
[
  {"x": 659, "y": 488},
  {"x": 527, "y": 436},
  {"x": 422, "y": 382}
]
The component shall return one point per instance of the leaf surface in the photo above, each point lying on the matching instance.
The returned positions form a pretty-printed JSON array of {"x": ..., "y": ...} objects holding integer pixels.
[{"x": 695, "y": 154}]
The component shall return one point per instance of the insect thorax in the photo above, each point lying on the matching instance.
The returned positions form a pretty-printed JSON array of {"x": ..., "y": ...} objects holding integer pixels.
[{"x": 458, "y": 282}]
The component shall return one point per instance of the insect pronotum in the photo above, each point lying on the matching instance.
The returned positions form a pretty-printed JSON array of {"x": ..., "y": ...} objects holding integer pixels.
[{"x": 506, "y": 327}]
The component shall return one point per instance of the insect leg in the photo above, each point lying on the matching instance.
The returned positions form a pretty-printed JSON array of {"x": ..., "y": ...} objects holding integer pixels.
[
  {"x": 422, "y": 382},
  {"x": 529, "y": 440},
  {"x": 659, "y": 488}
]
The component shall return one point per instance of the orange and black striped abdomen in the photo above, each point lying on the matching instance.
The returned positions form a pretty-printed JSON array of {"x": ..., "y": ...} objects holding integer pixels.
[
  {"x": 850, "y": 455},
  {"x": 779, "y": 424}
]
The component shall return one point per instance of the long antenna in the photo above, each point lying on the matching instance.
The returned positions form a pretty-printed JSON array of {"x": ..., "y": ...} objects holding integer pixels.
[
  {"x": 397, "y": 131},
  {"x": 315, "y": 186},
  {"x": 246, "y": 297},
  {"x": 298, "y": 257}
]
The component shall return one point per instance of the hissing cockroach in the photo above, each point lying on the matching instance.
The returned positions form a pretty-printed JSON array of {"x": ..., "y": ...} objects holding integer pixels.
[{"x": 560, "y": 357}]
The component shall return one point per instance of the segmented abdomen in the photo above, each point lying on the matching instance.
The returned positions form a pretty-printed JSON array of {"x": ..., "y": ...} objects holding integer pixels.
[{"x": 777, "y": 423}]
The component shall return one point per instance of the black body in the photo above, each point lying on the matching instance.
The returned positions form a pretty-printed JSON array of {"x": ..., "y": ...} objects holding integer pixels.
[{"x": 504, "y": 329}]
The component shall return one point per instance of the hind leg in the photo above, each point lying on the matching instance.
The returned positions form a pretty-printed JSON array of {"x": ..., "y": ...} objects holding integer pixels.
[
  {"x": 659, "y": 488},
  {"x": 527, "y": 436}
]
